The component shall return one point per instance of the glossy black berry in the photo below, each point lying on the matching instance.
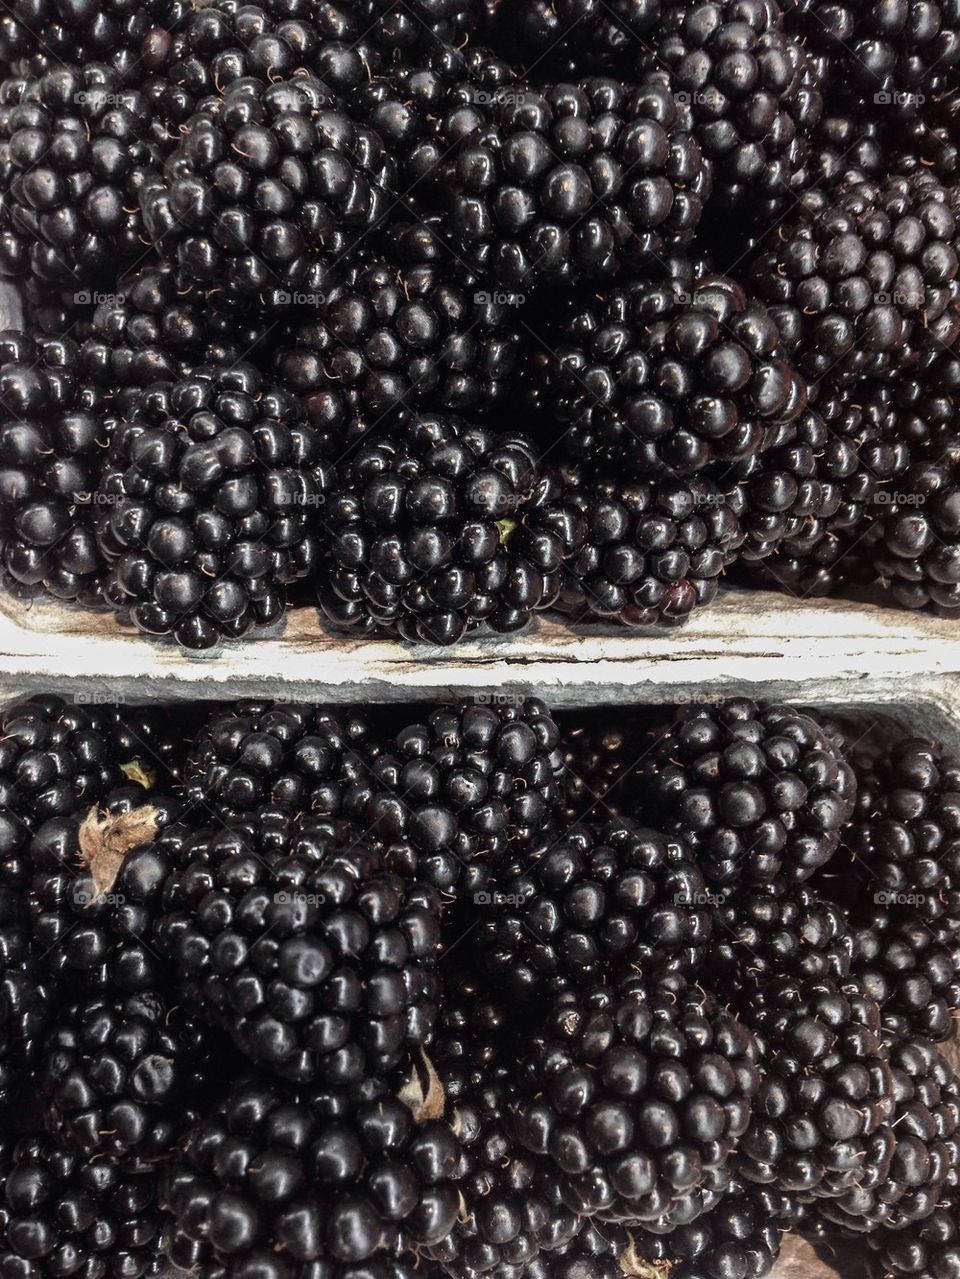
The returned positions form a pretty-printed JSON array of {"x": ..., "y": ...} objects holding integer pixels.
[
  {"x": 342, "y": 987},
  {"x": 639, "y": 1094},
  {"x": 266, "y": 1180},
  {"x": 659, "y": 377},
  {"x": 119, "y": 1076},
  {"x": 760, "y": 792},
  {"x": 209, "y": 505}
]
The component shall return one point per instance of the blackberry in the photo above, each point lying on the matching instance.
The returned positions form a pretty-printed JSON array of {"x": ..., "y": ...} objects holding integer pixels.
[
  {"x": 148, "y": 742},
  {"x": 808, "y": 501},
  {"x": 286, "y": 171},
  {"x": 828, "y": 564},
  {"x": 862, "y": 280},
  {"x": 926, "y": 1251},
  {"x": 511, "y": 1211},
  {"x": 74, "y": 157},
  {"x": 910, "y": 967},
  {"x": 341, "y": 988},
  {"x": 574, "y": 181},
  {"x": 207, "y": 503},
  {"x": 662, "y": 379},
  {"x": 760, "y": 792},
  {"x": 600, "y": 898},
  {"x": 52, "y": 312},
  {"x": 639, "y": 1094},
  {"x": 845, "y": 140},
  {"x": 425, "y": 336},
  {"x": 478, "y": 1032},
  {"x": 572, "y": 37},
  {"x": 913, "y": 548},
  {"x": 891, "y": 57},
  {"x": 36, "y": 34},
  {"x": 740, "y": 1236},
  {"x": 451, "y": 797},
  {"x": 58, "y": 758},
  {"x": 785, "y": 499},
  {"x": 409, "y": 106},
  {"x": 821, "y": 484},
  {"x": 94, "y": 892},
  {"x": 401, "y": 27},
  {"x": 53, "y": 431},
  {"x": 26, "y": 997},
  {"x": 905, "y": 952},
  {"x": 927, "y": 142},
  {"x": 599, "y": 1250},
  {"x": 435, "y": 530},
  {"x": 753, "y": 92},
  {"x": 773, "y": 932},
  {"x": 907, "y": 840},
  {"x": 286, "y": 756},
  {"x": 597, "y": 759},
  {"x": 925, "y": 403},
  {"x": 54, "y": 760},
  {"x": 63, "y": 1214},
  {"x": 211, "y": 48},
  {"x": 155, "y": 330},
  {"x": 336, "y": 415},
  {"x": 117, "y": 1078},
  {"x": 654, "y": 550},
  {"x": 926, "y": 1154},
  {"x": 265, "y": 1181},
  {"x": 822, "y": 1114}
]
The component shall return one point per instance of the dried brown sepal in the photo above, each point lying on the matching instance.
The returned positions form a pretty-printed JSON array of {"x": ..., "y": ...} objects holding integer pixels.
[
  {"x": 423, "y": 1093},
  {"x": 463, "y": 1212},
  {"x": 140, "y": 773},
  {"x": 107, "y": 838}
]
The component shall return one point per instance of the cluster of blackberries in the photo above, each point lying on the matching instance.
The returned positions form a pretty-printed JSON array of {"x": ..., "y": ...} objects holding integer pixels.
[
  {"x": 425, "y": 316},
  {"x": 290, "y": 992}
]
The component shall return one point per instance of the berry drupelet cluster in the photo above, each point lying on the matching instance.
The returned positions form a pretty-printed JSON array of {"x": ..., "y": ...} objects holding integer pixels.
[
  {"x": 343, "y": 988},
  {"x": 204, "y": 504},
  {"x": 762, "y": 792},
  {"x": 292, "y": 991},
  {"x": 572, "y": 307}
]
